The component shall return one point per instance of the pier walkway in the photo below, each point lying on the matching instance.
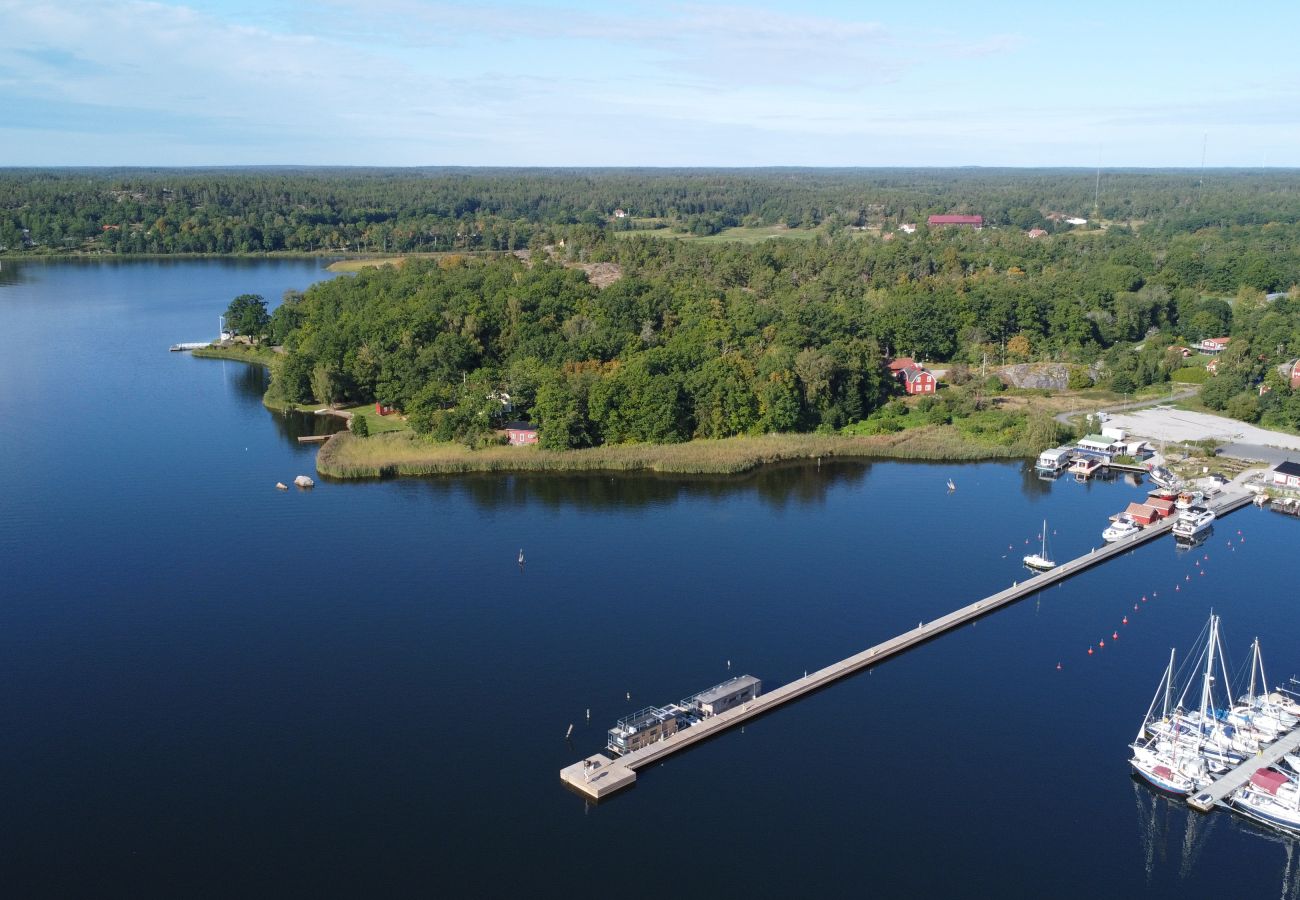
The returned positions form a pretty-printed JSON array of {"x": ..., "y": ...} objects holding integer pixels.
[
  {"x": 1206, "y": 800},
  {"x": 598, "y": 775}
]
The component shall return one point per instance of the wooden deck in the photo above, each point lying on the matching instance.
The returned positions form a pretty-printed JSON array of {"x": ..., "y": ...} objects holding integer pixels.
[
  {"x": 1205, "y": 800},
  {"x": 620, "y": 772}
]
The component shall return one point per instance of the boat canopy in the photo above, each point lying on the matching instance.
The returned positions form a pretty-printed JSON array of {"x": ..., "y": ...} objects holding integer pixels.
[{"x": 1268, "y": 779}]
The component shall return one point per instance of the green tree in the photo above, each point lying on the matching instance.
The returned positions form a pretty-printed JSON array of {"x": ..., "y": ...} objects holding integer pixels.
[
  {"x": 359, "y": 425},
  {"x": 246, "y": 315}
]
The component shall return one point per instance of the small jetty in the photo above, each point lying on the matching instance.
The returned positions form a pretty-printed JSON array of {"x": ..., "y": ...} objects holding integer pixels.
[
  {"x": 314, "y": 438},
  {"x": 1217, "y": 792},
  {"x": 190, "y": 345},
  {"x": 598, "y": 776}
]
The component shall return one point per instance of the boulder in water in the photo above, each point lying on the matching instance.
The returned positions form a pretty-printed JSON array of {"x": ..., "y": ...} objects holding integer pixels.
[
  {"x": 281, "y": 486},
  {"x": 304, "y": 482}
]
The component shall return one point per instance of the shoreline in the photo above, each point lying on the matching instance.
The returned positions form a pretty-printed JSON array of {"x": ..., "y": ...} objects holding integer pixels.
[{"x": 346, "y": 457}]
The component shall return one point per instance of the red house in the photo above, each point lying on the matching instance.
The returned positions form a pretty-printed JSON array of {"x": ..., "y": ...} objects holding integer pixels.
[
  {"x": 521, "y": 433},
  {"x": 1141, "y": 513},
  {"x": 976, "y": 222},
  {"x": 917, "y": 380}
]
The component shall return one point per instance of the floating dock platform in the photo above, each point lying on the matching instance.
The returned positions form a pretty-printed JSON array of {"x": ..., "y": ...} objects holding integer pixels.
[{"x": 599, "y": 776}]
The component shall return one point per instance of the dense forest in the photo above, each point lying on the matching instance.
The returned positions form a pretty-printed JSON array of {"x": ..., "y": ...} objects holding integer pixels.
[
  {"x": 701, "y": 340},
  {"x": 268, "y": 210}
]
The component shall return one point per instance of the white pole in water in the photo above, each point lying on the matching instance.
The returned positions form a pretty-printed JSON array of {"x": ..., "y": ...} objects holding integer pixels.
[
  {"x": 568, "y": 734},
  {"x": 588, "y": 714}
]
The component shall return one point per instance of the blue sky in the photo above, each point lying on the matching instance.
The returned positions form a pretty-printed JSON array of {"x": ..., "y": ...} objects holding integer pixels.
[{"x": 406, "y": 82}]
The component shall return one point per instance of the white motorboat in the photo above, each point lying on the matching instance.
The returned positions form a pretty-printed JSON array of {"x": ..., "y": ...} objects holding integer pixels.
[
  {"x": 1193, "y": 522},
  {"x": 1122, "y": 527},
  {"x": 1189, "y": 499},
  {"x": 1040, "y": 561}
]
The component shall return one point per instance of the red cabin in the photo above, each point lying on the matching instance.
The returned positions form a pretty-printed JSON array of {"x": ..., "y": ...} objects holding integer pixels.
[{"x": 521, "y": 433}]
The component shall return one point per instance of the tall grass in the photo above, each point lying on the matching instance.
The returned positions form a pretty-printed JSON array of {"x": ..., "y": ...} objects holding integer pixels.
[{"x": 383, "y": 455}]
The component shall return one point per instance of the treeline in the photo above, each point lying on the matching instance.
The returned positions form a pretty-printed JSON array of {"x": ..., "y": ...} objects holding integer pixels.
[
  {"x": 137, "y": 211},
  {"x": 700, "y": 340}
]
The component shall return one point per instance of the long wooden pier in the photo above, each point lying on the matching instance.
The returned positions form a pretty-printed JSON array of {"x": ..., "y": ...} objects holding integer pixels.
[
  {"x": 1212, "y": 796},
  {"x": 598, "y": 775}
]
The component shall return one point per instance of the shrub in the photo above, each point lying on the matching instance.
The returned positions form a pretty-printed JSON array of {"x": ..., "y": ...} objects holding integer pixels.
[{"x": 359, "y": 425}]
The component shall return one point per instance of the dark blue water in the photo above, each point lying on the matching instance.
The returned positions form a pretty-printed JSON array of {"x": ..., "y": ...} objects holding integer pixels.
[{"x": 208, "y": 686}]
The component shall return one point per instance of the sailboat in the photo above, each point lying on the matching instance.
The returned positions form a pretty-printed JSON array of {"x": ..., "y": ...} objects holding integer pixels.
[
  {"x": 1040, "y": 561},
  {"x": 951, "y": 486}
]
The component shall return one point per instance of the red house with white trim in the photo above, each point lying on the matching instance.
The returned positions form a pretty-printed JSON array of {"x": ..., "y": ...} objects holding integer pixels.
[
  {"x": 915, "y": 378},
  {"x": 521, "y": 433}
]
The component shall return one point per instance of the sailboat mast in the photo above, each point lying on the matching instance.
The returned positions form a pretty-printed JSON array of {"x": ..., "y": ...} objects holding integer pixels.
[
  {"x": 1209, "y": 668},
  {"x": 1043, "y": 551},
  {"x": 1169, "y": 682},
  {"x": 1254, "y": 661}
]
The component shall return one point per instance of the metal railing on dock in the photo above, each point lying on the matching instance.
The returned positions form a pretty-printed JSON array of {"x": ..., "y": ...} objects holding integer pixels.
[{"x": 598, "y": 775}]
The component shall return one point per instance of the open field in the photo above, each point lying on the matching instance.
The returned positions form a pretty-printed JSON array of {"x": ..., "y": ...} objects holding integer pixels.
[{"x": 407, "y": 454}]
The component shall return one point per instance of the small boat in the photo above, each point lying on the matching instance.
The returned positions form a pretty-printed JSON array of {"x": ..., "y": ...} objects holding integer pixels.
[
  {"x": 951, "y": 486},
  {"x": 1040, "y": 561},
  {"x": 521, "y": 556},
  {"x": 1163, "y": 477},
  {"x": 1189, "y": 499},
  {"x": 1192, "y": 522},
  {"x": 1123, "y": 527}
]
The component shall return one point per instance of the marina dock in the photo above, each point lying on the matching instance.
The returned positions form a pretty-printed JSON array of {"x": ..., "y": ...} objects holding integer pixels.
[
  {"x": 599, "y": 775},
  {"x": 1212, "y": 796}
]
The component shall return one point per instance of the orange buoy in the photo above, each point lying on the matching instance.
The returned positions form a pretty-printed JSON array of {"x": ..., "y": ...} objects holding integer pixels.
[
  {"x": 1178, "y": 587},
  {"x": 1125, "y": 622},
  {"x": 1135, "y": 607},
  {"x": 1202, "y": 571},
  {"x": 1144, "y": 598},
  {"x": 1101, "y": 643},
  {"x": 1115, "y": 636},
  {"x": 1090, "y": 651},
  {"x": 1058, "y": 667},
  {"x": 1187, "y": 578}
]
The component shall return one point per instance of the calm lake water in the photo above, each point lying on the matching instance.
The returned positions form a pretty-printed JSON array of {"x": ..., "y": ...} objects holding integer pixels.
[{"x": 208, "y": 686}]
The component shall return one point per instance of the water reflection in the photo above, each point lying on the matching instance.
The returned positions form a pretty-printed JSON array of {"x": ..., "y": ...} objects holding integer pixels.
[
  {"x": 1164, "y": 821},
  {"x": 793, "y": 484},
  {"x": 10, "y": 273}
]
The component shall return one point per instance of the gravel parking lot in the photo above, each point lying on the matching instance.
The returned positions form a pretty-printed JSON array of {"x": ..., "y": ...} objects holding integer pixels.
[{"x": 1176, "y": 425}]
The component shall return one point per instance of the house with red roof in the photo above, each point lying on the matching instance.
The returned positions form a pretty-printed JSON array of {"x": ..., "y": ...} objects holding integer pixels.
[
  {"x": 1215, "y": 345},
  {"x": 976, "y": 222}
]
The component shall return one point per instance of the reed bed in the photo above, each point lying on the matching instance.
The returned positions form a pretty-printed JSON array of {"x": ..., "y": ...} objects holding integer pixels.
[{"x": 387, "y": 455}]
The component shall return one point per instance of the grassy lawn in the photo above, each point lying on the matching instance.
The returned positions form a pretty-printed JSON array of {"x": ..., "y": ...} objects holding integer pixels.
[
  {"x": 378, "y": 424},
  {"x": 259, "y": 355}
]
